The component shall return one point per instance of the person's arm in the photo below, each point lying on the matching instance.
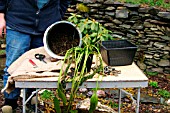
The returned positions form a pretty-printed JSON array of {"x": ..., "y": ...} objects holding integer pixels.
[
  {"x": 2, "y": 17},
  {"x": 64, "y": 5}
]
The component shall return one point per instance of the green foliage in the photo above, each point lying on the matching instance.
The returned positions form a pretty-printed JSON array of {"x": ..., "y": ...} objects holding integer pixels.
[
  {"x": 164, "y": 93},
  {"x": 92, "y": 31},
  {"x": 113, "y": 104},
  {"x": 77, "y": 54},
  {"x": 93, "y": 102},
  {"x": 152, "y": 73},
  {"x": 93, "y": 34},
  {"x": 153, "y": 84},
  {"x": 62, "y": 96},
  {"x": 47, "y": 95},
  {"x": 73, "y": 111},
  {"x": 131, "y": 1},
  {"x": 159, "y": 3},
  {"x": 57, "y": 105},
  {"x": 2, "y": 52}
]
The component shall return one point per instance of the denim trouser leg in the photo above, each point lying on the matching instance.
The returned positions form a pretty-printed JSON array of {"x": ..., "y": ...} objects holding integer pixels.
[{"x": 16, "y": 44}]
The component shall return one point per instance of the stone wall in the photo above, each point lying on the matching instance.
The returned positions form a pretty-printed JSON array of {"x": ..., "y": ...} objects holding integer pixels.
[{"x": 146, "y": 27}]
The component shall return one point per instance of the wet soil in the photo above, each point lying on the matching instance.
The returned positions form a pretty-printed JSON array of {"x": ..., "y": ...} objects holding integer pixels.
[
  {"x": 60, "y": 44},
  {"x": 61, "y": 38}
]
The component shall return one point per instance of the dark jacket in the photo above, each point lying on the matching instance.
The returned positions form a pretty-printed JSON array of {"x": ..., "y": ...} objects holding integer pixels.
[{"x": 24, "y": 15}]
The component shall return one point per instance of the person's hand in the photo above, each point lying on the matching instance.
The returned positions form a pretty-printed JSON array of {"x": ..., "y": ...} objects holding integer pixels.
[{"x": 2, "y": 25}]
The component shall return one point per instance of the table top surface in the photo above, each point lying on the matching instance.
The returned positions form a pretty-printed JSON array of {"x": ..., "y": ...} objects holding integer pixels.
[
  {"x": 128, "y": 73},
  {"x": 131, "y": 76}
]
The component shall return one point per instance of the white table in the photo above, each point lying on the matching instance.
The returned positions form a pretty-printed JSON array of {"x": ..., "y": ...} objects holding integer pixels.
[{"x": 131, "y": 77}]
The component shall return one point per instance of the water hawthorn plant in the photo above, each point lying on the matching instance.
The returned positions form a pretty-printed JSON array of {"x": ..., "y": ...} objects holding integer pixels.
[{"x": 93, "y": 33}]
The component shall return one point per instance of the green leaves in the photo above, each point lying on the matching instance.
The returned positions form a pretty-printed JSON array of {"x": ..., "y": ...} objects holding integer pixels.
[
  {"x": 151, "y": 73},
  {"x": 153, "y": 84},
  {"x": 74, "y": 18},
  {"x": 164, "y": 93},
  {"x": 62, "y": 96},
  {"x": 94, "y": 26},
  {"x": 93, "y": 102},
  {"x": 91, "y": 29},
  {"x": 2, "y": 52},
  {"x": 47, "y": 94},
  {"x": 93, "y": 33},
  {"x": 57, "y": 105}
]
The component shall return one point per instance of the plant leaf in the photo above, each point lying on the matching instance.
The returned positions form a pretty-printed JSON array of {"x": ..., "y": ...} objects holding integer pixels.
[
  {"x": 75, "y": 20},
  {"x": 57, "y": 105},
  {"x": 93, "y": 26},
  {"x": 93, "y": 102},
  {"x": 62, "y": 96},
  {"x": 93, "y": 35},
  {"x": 73, "y": 111}
]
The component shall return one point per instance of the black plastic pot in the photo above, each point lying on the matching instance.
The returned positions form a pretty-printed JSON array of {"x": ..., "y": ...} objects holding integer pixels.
[
  {"x": 118, "y": 52},
  {"x": 88, "y": 63}
]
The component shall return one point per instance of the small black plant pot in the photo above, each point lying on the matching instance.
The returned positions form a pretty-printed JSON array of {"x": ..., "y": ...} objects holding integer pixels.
[
  {"x": 118, "y": 52},
  {"x": 88, "y": 63}
]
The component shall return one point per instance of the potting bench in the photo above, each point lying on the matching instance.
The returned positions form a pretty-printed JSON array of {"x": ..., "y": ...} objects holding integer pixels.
[{"x": 130, "y": 77}]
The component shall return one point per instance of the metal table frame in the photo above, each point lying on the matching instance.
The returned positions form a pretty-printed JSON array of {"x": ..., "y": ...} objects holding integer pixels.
[{"x": 89, "y": 84}]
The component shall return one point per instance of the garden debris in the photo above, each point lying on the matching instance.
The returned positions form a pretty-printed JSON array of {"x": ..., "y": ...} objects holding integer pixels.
[
  {"x": 109, "y": 70},
  {"x": 168, "y": 102},
  {"x": 83, "y": 90},
  {"x": 3, "y": 46},
  {"x": 85, "y": 105},
  {"x": 115, "y": 93},
  {"x": 54, "y": 59},
  {"x": 101, "y": 93},
  {"x": 148, "y": 99},
  {"x": 89, "y": 94}
]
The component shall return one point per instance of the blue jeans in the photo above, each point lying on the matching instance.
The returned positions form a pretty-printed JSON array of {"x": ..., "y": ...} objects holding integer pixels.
[{"x": 18, "y": 43}]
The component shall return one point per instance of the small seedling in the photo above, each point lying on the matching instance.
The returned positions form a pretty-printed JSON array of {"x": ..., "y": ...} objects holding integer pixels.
[
  {"x": 2, "y": 52},
  {"x": 113, "y": 104},
  {"x": 153, "y": 84},
  {"x": 152, "y": 73},
  {"x": 164, "y": 93},
  {"x": 47, "y": 95}
]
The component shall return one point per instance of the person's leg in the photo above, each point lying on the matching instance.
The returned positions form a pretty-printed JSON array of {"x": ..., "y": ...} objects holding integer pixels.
[
  {"x": 36, "y": 41},
  {"x": 16, "y": 44}
]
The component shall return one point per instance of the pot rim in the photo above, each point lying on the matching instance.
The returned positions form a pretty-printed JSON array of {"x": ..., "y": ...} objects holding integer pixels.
[{"x": 45, "y": 40}]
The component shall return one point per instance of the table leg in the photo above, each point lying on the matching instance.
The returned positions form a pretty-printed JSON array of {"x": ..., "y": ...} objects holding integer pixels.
[
  {"x": 36, "y": 105},
  {"x": 138, "y": 101},
  {"x": 120, "y": 95},
  {"x": 24, "y": 99}
]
